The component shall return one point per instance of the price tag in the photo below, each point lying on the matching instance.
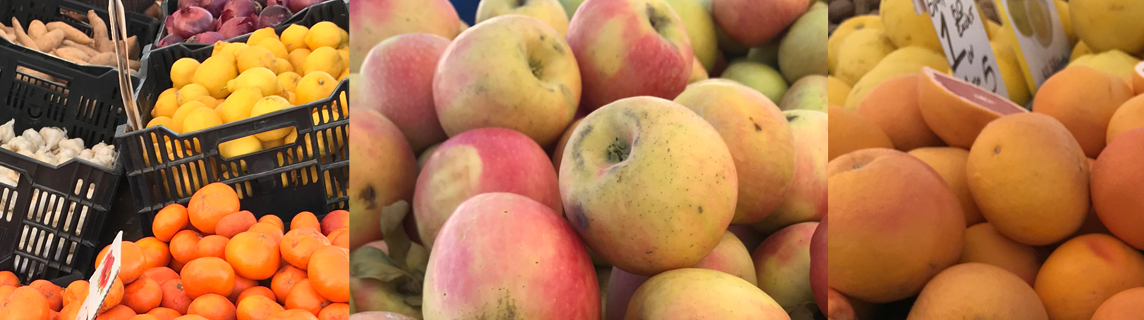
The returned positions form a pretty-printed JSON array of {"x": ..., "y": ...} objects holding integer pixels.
[
  {"x": 1042, "y": 46},
  {"x": 100, "y": 283},
  {"x": 966, "y": 45}
]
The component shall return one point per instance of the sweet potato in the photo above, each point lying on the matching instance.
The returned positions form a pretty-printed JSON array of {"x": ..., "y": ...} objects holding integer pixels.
[
  {"x": 35, "y": 73},
  {"x": 73, "y": 54},
  {"x": 103, "y": 59},
  {"x": 36, "y": 29},
  {"x": 99, "y": 33},
  {"x": 132, "y": 47},
  {"x": 5, "y": 34},
  {"x": 22, "y": 37},
  {"x": 86, "y": 49},
  {"x": 49, "y": 41},
  {"x": 72, "y": 33}
]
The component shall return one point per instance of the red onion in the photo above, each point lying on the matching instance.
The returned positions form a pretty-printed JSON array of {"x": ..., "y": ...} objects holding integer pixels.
[
  {"x": 206, "y": 37},
  {"x": 237, "y": 27},
  {"x": 273, "y": 16},
  {"x": 239, "y": 8},
  {"x": 298, "y": 5},
  {"x": 170, "y": 39},
  {"x": 214, "y": 6},
  {"x": 190, "y": 21}
]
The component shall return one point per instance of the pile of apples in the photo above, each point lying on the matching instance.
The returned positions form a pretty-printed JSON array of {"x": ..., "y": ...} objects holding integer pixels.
[{"x": 579, "y": 152}]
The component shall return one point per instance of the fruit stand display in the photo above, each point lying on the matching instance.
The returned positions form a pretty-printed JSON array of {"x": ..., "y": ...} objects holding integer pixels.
[
  {"x": 204, "y": 22},
  {"x": 577, "y": 151},
  {"x": 949, "y": 200}
]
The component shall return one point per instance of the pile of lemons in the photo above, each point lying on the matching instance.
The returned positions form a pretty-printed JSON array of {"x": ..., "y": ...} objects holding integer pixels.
[{"x": 267, "y": 73}]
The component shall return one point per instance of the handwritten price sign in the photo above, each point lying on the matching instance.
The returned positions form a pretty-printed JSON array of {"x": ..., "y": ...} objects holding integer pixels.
[{"x": 962, "y": 35}]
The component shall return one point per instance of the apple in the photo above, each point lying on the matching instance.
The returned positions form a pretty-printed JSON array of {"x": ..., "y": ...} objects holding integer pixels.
[
  {"x": 753, "y": 22},
  {"x": 700, "y": 30},
  {"x": 818, "y": 273},
  {"x": 397, "y": 79},
  {"x": 388, "y": 177},
  {"x": 378, "y": 20},
  {"x": 570, "y": 6},
  {"x": 548, "y": 11},
  {"x": 511, "y": 72},
  {"x": 758, "y": 76},
  {"x": 697, "y": 72},
  {"x": 629, "y": 48},
  {"x": 807, "y": 198},
  {"x": 480, "y": 161},
  {"x": 758, "y": 136},
  {"x": 648, "y": 184},
  {"x": 782, "y": 264}
]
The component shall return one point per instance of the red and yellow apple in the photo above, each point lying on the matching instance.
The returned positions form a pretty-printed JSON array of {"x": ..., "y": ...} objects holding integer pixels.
[
  {"x": 377, "y": 20},
  {"x": 397, "y": 80}
]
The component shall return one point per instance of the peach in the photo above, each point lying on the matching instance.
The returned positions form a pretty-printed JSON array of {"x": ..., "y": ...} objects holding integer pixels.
[
  {"x": 389, "y": 178},
  {"x": 388, "y": 18},
  {"x": 896, "y": 225},
  {"x": 752, "y": 23},
  {"x": 850, "y": 131},
  {"x": 692, "y": 293},
  {"x": 602, "y": 35},
  {"x": 806, "y": 198},
  {"x": 758, "y": 136},
  {"x": 985, "y": 245},
  {"x": 648, "y": 184},
  {"x": 893, "y": 106},
  {"x": 1029, "y": 177},
  {"x": 504, "y": 255},
  {"x": 399, "y": 72},
  {"x": 1116, "y": 187},
  {"x": 476, "y": 162},
  {"x": 782, "y": 264},
  {"x": 1084, "y": 100},
  {"x": 949, "y": 162},
  {"x": 511, "y": 72},
  {"x": 1084, "y": 272},
  {"x": 977, "y": 291},
  {"x": 1124, "y": 305}
]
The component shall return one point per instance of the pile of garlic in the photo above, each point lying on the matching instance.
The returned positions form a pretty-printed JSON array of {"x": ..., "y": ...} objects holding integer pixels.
[{"x": 51, "y": 146}]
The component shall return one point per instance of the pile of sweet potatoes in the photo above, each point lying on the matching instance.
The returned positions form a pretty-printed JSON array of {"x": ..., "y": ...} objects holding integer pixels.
[{"x": 62, "y": 40}]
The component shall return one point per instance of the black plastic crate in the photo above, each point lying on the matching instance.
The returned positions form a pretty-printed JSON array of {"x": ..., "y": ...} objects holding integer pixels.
[
  {"x": 140, "y": 25},
  {"x": 47, "y": 238},
  {"x": 283, "y": 180},
  {"x": 336, "y": 11}
]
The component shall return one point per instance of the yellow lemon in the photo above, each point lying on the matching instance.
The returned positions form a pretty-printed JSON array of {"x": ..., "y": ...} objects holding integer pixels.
[
  {"x": 291, "y": 137},
  {"x": 201, "y": 118},
  {"x": 275, "y": 47},
  {"x": 208, "y": 101},
  {"x": 234, "y": 48},
  {"x": 284, "y": 66},
  {"x": 181, "y": 115},
  {"x": 239, "y": 147},
  {"x": 219, "y": 107},
  {"x": 272, "y": 143},
  {"x": 159, "y": 121},
  {"x": 238, "y": 105},
  {"x": 321, "y": 117},
  {"x": 323, "y": 59},
  {"x": 345, "y": 74},
  {"x": 345, "y": 39},
  {"x": 344, "y": 102},
  {"x": 345, "y": 53},
  {"x": 190, "y": 92},
  {"x": 253, "y": 57},
  {"x": 260, "y": 78},
  {"x": 166, "y": 105},
  {"x": 315, "y": 86},
  {"x": 261, "y": 34},
  {"x": 215, "y": 72},
  {"x": 294, "y": 37},
  {"x": 267, "y": 105},
  {"x": 298, "y": 58},
  {"x": 289, "y": 80},
  {"x": 182, "y": 71},
  {"x": 324, "y": 34},
  {"x": 291, "y": 97},
  {"x": 219, "y": 46}
]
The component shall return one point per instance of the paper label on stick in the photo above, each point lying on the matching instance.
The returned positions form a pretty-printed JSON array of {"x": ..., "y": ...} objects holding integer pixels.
[
  {"x": 1042, "y": 46},
  {"x": 100, "y": 283},
  {"x": 966, "y": 45}
]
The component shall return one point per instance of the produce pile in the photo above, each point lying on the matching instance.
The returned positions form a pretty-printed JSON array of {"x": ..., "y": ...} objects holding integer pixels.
[
  {"x": 949, "y": 201},
  {"x": 208, "y": 21},
  {"x": 537, "y": 156},
  {"x": 59, "y": 39},
  {"x": 267, "y": 73},
  {"x": 209, "y": 260}
]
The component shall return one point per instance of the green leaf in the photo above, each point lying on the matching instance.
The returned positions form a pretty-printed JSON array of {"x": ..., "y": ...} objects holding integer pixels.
[
  {"x": 372, "y": 263},
  {"x": 394, "y": 234}
]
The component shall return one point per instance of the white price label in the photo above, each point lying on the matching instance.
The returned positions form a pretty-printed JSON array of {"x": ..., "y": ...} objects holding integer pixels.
[
  {"x": 966, "y": 45},
  {"x": 100, "y": 283},
  {"x": 1042, "y": 45}
]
